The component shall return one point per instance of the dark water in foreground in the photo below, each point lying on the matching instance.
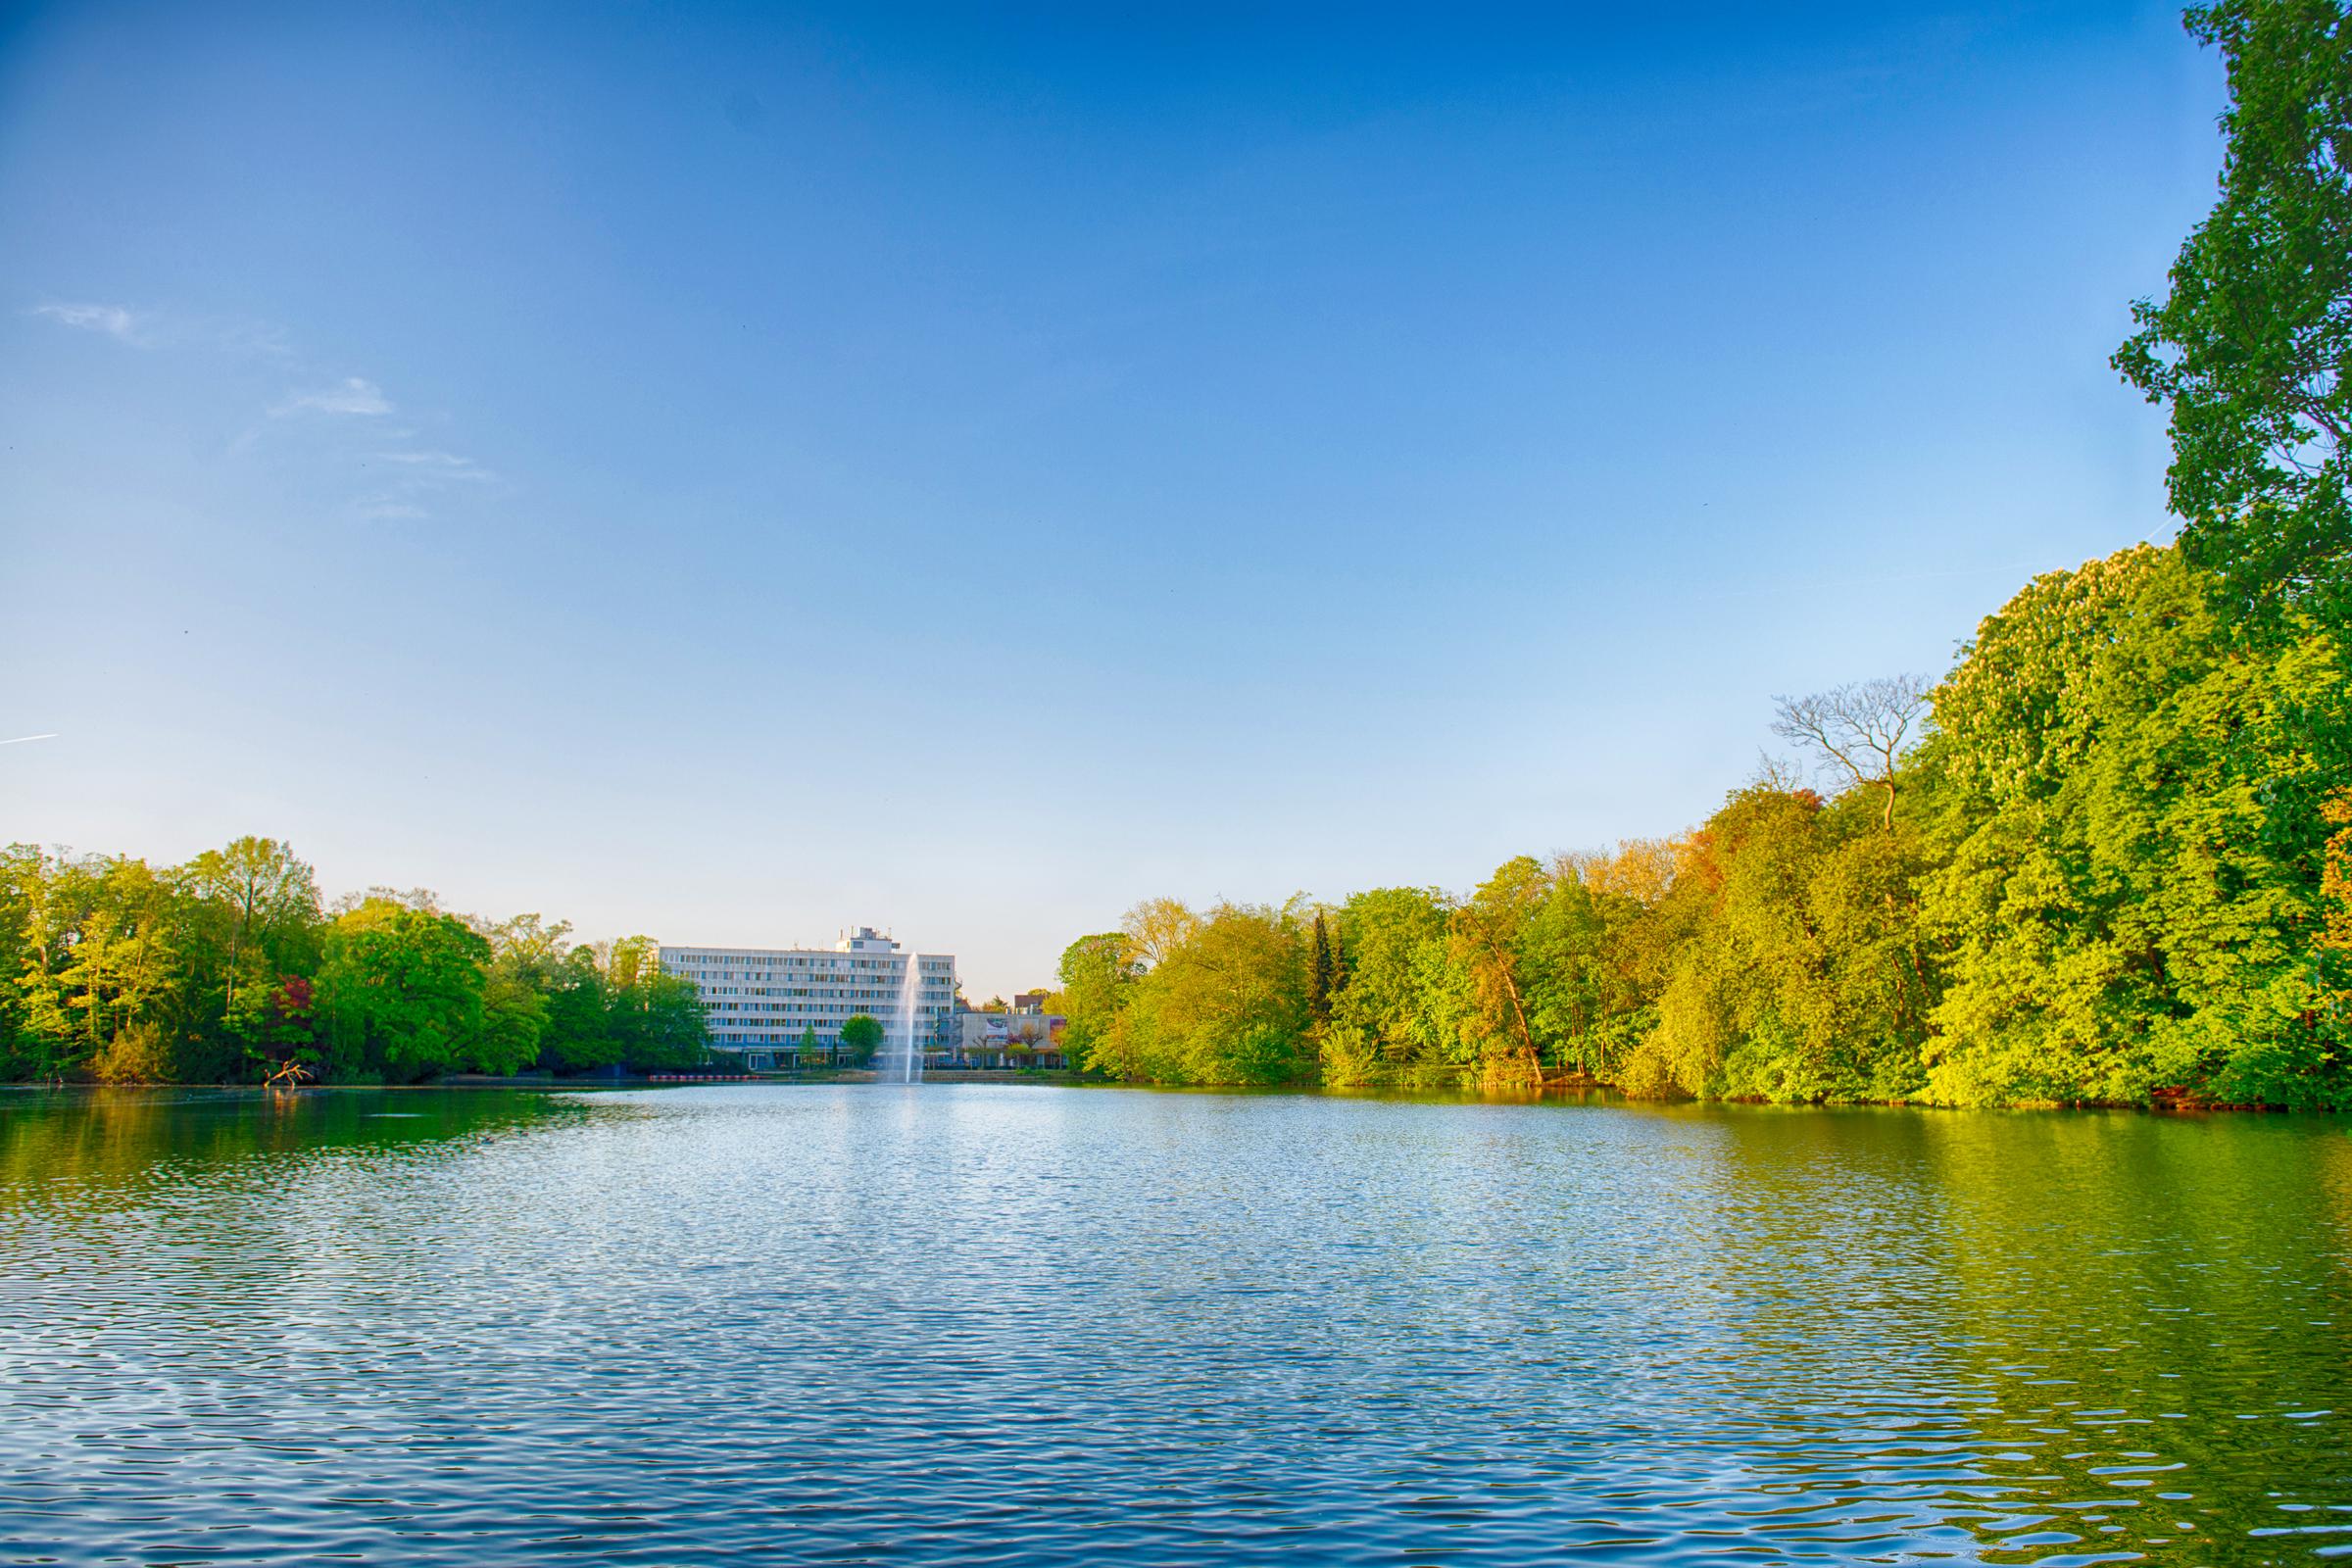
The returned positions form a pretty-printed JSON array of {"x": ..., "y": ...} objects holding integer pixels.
[{"x": 1028, "y": 1325}]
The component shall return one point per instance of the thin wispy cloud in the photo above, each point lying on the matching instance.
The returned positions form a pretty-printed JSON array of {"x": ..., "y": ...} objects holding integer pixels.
[
  {"x": 165, "y": 329},
  {"x": 21, "y": 738},
  {"x": 418, "y": 476},
  {"x": 115, "y": 320},
  {"x": 387, "y": 508},
  {"x": 411, "y": 478},
  {"x": 352, "y": 395},
  {"x": 436, "y": 466},
  {"x": 258, "y": 339}
]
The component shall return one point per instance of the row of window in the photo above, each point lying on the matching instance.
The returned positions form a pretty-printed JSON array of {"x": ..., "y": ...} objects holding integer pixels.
[
  {"x": 802, "y": 961},
  {"x": 792, "y": 1038},
  {"x": 893, "y": 982},
  {"x": 808, "y": 1007},
  {"x": 933, "y": 992}
]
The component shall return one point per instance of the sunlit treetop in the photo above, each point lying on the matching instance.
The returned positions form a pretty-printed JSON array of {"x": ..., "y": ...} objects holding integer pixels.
[{"x": 2251, "y": 345}]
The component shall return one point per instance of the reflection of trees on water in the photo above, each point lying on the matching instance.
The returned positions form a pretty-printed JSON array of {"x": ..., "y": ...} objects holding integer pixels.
[
  {"x": 90, "y": 1141},
  {"x": 292, "y": 1239},
  {"x": 1856, "y": 1332},
  {"x": 2065, "y": 1332}
]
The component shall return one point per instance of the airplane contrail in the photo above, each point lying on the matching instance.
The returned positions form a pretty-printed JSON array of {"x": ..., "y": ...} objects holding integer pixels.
[{"x": 21, "y": 738}]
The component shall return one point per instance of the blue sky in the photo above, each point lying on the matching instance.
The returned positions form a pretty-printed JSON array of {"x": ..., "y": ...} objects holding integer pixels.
[{"x": 734, "y": 472}]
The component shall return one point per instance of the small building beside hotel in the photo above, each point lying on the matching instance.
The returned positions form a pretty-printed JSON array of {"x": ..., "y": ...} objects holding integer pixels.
[{"x": 1026, "y": 1037}]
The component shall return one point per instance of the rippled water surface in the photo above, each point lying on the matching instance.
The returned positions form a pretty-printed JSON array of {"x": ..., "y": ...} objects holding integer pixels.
[{"x": 1026, "y": 1325}]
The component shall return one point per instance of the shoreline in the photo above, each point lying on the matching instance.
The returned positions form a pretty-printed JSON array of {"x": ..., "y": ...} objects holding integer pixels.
[{"x": 1470, "y": 1093}]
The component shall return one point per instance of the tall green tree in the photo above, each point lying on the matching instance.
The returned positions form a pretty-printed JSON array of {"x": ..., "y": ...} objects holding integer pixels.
[
  {"x": 1322, "y": 970},
  {"x": 2121, "y": 912},
  {"x": 1796, "y": 974},
  {"x": 1490, "y": 934},
  {"x": 2251, "y": 347},
  {"x": 578, "y": 1036},
  {"x": 24, "y": 876},
  {"x": 529, "y": 965},
  {"x": 1223, "y": 1002},
  {"x": 122, "y": 968},
  {"x": 1569, "y": 986},
  {"x": 1396, "y": 942},
  {"x": 656, "y": 1019},
  {"x": 400, "y": 993},
  {"x": 1095, "y": 974},
  {"x": 257, "y": 915}
]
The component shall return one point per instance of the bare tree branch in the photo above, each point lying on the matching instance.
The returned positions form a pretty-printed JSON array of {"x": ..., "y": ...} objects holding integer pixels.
[{"x": 1861, "y": 729}]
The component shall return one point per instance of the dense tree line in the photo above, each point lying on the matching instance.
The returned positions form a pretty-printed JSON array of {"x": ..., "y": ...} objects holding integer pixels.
[
  {"x": 228, "y": 969},
  {"x": 2108, "y": 857},
  {"x": 2118, "y": 863}
]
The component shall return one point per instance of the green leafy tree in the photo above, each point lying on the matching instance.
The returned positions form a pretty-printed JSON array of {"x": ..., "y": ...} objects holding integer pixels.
[
  {"x": 1394, "y": 938},
  {"x": 100, "y": 952},
  {"x": 2122, "y": 914},
  {"x": 400, "y": 993},
  {"x": 54, "y": 895},
  {"x": 1095, "y": 974},
  {"x": 2251, "y": 348},
  {"x": 1322, "y": 970},
  {"x": 514, "y": 1016},
  {"x": 24, "y": 875},
  {"x": 675, "y": 1031},
  {"x": 1491, "y": 945},
  {"x": 519, "y": 989},
  {"x": 578, "y": 1034},
  {"x": 1569, "y": 985},
  {"x": 224, "y": 969},
  {"x": 1795, "y": 975},
  {"x": 860, "y": 1038},
  {"x": 1223, "y": 1000},
  {"x": 655, "y": 1018},
  {"x": 255, "y": 918}
]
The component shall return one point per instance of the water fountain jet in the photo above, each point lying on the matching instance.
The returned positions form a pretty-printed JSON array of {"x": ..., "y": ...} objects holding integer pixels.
[{"x": 911, "y": 1067}]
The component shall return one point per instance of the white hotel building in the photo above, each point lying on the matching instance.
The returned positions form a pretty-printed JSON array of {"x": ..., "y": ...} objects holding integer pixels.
[{"x": 764, "y": 1001}]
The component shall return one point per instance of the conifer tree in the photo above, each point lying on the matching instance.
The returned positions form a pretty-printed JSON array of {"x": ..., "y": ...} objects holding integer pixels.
[{"x": 1321, "y": 970}]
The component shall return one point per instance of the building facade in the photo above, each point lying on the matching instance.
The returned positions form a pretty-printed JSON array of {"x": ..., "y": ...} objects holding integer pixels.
[
  {"x": 1026, "y": 1037},
  {"x": 765, "y": 1004}
]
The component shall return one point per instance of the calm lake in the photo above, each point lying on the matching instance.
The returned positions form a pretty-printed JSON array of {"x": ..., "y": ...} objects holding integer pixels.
[{"x": 1030, "y": 1325}]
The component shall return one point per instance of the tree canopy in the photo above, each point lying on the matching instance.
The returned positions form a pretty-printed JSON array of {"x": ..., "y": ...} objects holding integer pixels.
[
  {"x": 2250, "y": 347},
  {"x": 226, "y": 968}
]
